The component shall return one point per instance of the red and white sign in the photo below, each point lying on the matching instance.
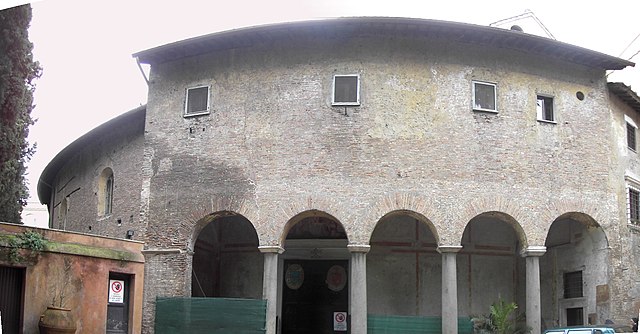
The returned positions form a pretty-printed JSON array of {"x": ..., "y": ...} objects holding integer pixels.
[
  {"x": 116, "y": 291},
  {"x": 340, "y": 321}
]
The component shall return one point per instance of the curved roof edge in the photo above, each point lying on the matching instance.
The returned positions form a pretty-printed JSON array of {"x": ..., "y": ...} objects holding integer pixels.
[
  {"x": 383, "y": 26},
  {"x": 46, "y": 178},
  {"x": 626, "y": 94}
]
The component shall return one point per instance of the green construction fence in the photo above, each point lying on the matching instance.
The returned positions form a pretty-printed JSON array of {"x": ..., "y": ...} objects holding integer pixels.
[
  {"x": 385, "y": 324},
  {"x": 210, "y": 315}
]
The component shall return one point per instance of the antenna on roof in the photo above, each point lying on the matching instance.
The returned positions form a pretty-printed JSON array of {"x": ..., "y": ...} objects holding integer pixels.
[{"x": 527, "y": 13}]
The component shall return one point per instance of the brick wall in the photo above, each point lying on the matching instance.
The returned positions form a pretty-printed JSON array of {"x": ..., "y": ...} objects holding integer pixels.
[
  {"x": 77, "y": 184},
  {"x": 273, "y": 139}
]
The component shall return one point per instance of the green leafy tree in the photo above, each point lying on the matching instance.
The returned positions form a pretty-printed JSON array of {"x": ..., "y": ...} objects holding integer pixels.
[{"x": 17, "y": 73}]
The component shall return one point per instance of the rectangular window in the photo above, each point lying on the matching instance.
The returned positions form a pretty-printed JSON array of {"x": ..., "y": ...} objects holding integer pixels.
[
  {"x": 634, "y": 206},
  {"x": 544, "y": 108},
  {"x": 346, "y": 90},
  {"x": 484, "y": 96},
  {"x": 197, "y": 101},
  {"x": 631, "y": 136},
  {"x": 573, "y": 284}
]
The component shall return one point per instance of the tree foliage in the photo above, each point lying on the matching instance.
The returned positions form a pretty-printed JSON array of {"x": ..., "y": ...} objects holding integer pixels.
[
  {"x": 503, "y": 319},
  {"x": 18, "y": 70}
]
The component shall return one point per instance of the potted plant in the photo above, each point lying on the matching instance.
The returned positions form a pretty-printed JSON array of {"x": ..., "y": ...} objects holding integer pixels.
[{"x": 57, "y": 318}]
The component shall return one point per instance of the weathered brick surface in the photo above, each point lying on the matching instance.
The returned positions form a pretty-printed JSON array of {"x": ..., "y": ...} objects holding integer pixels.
[
  {"x": 77, "y": 181},
  {"x": 273, "y": 140},
  {"x": 273, "y": 147}
]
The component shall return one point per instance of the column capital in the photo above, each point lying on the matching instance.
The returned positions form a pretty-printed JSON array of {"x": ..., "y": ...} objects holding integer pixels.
[
  {"x": 359, "y": 248},
  {"x": 533, "y": 251},
  {"x": 271, "y": 249},
  {"x": 448, "y": 249}
]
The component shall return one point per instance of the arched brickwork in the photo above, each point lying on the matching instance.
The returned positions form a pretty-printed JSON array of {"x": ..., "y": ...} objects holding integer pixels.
[
  {"x": 583, "y": 218},
  {"x": 282, "y": 219},
  {"x": 200, "y": 216},
  {"x": 502, "y": 208},
  {"x": 297, "y": 218},
  {"x": 589, "y": 213},
  {"x": 418, "y": 206}
]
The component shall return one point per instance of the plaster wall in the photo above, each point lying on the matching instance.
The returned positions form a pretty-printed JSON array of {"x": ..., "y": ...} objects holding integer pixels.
[{"x": 626, "y": 173}]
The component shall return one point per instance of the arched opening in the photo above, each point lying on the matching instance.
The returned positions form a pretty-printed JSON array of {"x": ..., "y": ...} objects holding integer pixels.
[
  {"x": 403, "y": 268},
  {"x": 315, "y": 274},
  {"x": 226, "y": 259},
  {"x": 574, "y": 288},
  {"x": 490, "y": 267}
]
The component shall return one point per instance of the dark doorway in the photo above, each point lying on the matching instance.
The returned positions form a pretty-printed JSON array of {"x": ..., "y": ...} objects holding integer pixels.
[
  {"x": 11, "y": 292},
  {"x": 118, "y": 303},
  {"x": 575, "y": 316},
  {"x": 312, "y": 291}
]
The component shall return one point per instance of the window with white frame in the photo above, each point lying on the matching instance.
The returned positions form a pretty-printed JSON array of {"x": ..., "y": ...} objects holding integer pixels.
[
  {"x": 631, "y": 132},
  {"x": 544, "y": 108},
  {"x": 484, "y": 96},
  {"x": 346, "y": 90},
  {"x": 197, "y": 101}
]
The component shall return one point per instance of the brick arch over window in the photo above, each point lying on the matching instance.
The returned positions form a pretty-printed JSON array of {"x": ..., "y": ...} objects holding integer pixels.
[
  {"x": 106, "y": 184},
  {"x": 417, "y": 206},
  {"x": 504, "y": 209}
]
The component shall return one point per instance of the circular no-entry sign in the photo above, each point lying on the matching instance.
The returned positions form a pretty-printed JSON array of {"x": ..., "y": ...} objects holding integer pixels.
[{"x": 116, "y": 286}]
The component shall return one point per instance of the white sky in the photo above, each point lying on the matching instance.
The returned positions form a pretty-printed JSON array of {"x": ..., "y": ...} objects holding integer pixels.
[{"x": 89, "y": 76}]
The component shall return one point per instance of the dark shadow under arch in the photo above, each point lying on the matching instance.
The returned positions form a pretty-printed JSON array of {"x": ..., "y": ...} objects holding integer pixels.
[{"x": 226, "y": 260}]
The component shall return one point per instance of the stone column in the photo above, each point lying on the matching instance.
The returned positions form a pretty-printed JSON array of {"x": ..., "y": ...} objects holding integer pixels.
[
  {"x": 358, "y": 283},
  {"x": 449, "y": 289},
  {"x": 270, "y": 284},
  {"x": 533, "y": 254}
]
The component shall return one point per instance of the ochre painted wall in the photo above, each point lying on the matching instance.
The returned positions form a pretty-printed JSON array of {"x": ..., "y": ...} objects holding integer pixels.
[{"x": 84, "y": 280}]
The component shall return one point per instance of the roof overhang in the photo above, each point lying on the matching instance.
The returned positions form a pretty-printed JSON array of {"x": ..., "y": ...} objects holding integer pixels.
[
  {"x": 626, "y": 94},
  {"x": 382, "y": 26},
  {"x": 46, "y": 180}
]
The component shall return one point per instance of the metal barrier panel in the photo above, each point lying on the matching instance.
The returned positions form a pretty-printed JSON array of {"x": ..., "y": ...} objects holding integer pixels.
[
  {"x": 210, "y": 315},
  {"x": 383, "y": 324}
]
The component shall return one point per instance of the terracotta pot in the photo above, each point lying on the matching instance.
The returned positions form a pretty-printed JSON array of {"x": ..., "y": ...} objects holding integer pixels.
[{"x": 57, "y": 320}]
